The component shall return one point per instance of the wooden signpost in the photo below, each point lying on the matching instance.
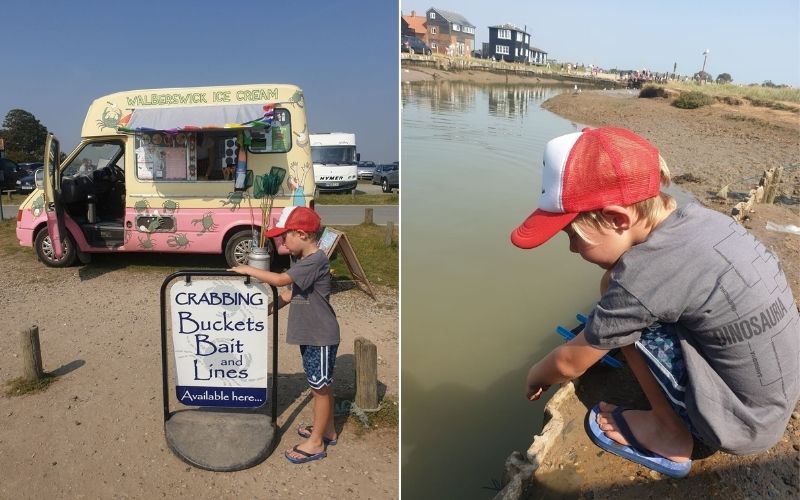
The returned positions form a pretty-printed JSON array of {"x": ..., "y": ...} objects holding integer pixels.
[{"x": 331, "y": 240}]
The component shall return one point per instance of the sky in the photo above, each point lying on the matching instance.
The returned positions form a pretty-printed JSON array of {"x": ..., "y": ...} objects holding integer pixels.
[
  {"x": 59, "y": 56},
  {"x": 752, "y": 41}
]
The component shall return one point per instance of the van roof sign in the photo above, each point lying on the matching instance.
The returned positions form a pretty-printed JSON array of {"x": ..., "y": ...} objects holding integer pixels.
[
  {"x": 199, "y": 118},
  {"x": 111, "y": 114}
]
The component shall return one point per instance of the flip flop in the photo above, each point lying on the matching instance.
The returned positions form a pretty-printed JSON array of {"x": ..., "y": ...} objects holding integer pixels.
[
  {"x": 307, "y": 457},
  {"x": 304, "y": 431},
  {"x": 635, "y": 452}
]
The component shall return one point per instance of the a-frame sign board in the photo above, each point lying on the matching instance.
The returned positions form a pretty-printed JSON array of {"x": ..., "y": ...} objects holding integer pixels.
[
  {"x": 331, "y": 240},
  {"x": 219, "y": 328}
]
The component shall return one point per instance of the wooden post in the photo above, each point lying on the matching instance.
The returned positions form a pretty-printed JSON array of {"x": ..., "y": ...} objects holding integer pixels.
[
  {"x": 389, "y": 233},
  {"x": 31, "y": 354},
  {"x": 774, "y": 181},
  {"x": 367, "y": 216},
  {"x": 366, "y": 361}
]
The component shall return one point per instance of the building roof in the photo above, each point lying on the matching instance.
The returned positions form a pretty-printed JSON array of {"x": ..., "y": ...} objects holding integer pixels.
[
  {"x": 508, "y": 26},
  {"x": 534, "y": 49},
  {"x": 453, "y": 17},
  {"x": 415, "y": 22}
]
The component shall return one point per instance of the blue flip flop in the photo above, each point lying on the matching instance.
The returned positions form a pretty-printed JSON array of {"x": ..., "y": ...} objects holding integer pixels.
[
  {"x": 635, "y": 452},
  {"x": 307, "y": 457},
  {"x": 304, "y": 431}
]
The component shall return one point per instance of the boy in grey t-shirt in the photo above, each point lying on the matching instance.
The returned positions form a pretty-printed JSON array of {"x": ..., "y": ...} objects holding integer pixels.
[
  {"x": 701, "y": 310},
  {"x": 312, "y": 322}
]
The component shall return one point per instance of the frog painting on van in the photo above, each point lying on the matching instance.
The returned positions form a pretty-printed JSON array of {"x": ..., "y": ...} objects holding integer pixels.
[{"x": 162, "y": 172}]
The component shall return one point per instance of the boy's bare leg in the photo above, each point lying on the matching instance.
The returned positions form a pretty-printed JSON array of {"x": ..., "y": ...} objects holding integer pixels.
[
  {"x": 323, "y": 423},
  {"x": 659, "y": 429}
]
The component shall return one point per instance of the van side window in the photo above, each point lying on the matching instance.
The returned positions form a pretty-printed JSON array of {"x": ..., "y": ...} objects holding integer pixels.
[
  {"x": 278, "y": 137},
  {"x": 93, "y": 157}
]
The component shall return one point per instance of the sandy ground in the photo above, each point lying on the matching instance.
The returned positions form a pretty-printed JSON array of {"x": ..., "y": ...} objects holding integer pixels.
[
  {"x": 97, "y": 432},
  {"x": 706, "y": 149}
]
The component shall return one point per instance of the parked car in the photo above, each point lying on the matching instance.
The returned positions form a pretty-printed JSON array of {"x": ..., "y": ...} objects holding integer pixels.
[
  {"x": 9, "y": 173},
  {"x": 388, "y": 176},
  {"x": 31, "y": 167},
  {"x": 414, "y": 45},
  {"x": 365, "y": 169},
  {"x": 28, "y": 183}
]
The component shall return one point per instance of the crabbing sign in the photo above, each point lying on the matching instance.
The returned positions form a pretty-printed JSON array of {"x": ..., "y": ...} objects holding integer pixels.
[{"x": 219, "y": 335}]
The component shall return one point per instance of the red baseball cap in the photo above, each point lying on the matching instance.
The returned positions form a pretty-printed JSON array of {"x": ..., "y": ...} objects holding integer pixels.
[
  {"x": 295, "y": 219},
  {"x": 589, "y": 170}
]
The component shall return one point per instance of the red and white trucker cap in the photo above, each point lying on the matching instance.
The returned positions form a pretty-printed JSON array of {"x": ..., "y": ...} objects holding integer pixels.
[
  {"x": 295, "y": 219},
  {"x": 589, "y": 170}
]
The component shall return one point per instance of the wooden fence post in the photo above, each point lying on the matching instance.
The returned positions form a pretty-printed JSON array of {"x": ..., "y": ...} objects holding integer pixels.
[
  {"x": 31, "y": 354},
  {"x": 389, "y": 233},
  {"x": 771, "y": 190},
  {"x": 367, "y": 216},
  {"x": 366, "y": 362}
]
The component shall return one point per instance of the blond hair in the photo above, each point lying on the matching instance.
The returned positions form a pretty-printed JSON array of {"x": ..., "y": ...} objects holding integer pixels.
[{"x": 647, "y": 211}]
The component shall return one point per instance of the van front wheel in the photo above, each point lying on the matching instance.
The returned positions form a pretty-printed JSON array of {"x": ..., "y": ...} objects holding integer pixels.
[
  {"x": 44, "y": 249},
  {"x": 385, "y": 186},
  {"x": 237, "y": 250}
]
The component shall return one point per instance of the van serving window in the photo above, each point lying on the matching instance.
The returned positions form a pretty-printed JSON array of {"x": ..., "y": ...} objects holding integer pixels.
[{"x": 187, "y": 156}]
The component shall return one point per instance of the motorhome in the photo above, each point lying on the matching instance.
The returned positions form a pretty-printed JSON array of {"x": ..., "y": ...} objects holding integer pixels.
[
  {"x": 335, "y": 161},
  {"x": 173, "y": 170}
]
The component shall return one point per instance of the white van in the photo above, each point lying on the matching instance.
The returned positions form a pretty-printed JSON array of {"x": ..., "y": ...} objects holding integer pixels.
[
  {"x": 173, "y": 170},
  {"x": 335, "y": 161}
]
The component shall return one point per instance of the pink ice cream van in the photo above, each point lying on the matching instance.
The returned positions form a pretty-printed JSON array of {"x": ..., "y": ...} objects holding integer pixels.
[{"x": 189, "y": 170}]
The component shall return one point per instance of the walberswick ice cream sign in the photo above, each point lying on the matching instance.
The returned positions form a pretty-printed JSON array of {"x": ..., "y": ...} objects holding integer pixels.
[{"x": 219, "y": 333}]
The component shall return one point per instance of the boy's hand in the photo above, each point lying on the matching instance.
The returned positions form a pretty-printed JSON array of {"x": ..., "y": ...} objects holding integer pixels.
[
  {"x": 242, "y": 269},
  {"x": 535, "y": 392},
  {"x": 535, "y": 388}
]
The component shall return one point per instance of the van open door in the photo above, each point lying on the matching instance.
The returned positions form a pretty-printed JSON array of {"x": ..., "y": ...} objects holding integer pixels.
[{"x": 52, "y": 198}]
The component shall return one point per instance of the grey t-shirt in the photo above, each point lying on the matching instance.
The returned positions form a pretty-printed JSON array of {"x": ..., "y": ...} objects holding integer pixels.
[
  {"x": 312, "y": 320},
  {"x": 738, "y": 323}
]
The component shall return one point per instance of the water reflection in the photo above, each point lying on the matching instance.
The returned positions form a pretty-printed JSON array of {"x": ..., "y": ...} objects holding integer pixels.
[
  {"x": 513, "y": 101},
  {"x": 476, "y": 311}
]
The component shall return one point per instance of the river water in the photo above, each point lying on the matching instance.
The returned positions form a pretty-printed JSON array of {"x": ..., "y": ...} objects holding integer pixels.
[{"x": 476, "y": 311}]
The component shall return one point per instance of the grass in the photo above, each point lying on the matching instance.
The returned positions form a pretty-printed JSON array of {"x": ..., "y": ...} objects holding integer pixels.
[
  {"x": 359, "y": 198},
  {"x": 9, "y": 245},
  {"x": 757, "y": 95},
  {"x": 386, "y": 417},
  {"x": 20, "y": 386},
  {"x": 379, "y": 261}
]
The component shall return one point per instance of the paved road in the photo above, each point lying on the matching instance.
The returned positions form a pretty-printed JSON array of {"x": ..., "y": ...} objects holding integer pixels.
[
  {"x": 331, "y": 214},
  {"x": 354, "y": 214}
]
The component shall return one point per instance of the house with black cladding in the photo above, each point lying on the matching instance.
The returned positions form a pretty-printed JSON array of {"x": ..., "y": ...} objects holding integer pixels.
[{"x": 509, "y": 43}]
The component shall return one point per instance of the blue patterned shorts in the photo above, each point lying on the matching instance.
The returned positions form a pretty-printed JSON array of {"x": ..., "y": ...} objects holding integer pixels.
[
  {"x": 661, "y": 349},
  {"x": 318, "y": 363}
]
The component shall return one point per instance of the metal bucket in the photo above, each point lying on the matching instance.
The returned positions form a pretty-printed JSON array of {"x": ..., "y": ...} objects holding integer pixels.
[{"x": 259, "y": 258}]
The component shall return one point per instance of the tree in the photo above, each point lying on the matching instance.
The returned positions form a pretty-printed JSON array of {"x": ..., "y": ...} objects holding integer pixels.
[
  {"x": 24, "y": 136},
  {"x": 724, "y": 78},
  {"x": 702, "y": 76}
]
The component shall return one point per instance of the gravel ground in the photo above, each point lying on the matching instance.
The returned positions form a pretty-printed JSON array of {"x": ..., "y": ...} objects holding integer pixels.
[{"x": 97, "y": 432}]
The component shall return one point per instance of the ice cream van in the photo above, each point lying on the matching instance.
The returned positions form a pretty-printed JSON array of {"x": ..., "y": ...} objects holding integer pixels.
[{"x": 182, "y": 170}]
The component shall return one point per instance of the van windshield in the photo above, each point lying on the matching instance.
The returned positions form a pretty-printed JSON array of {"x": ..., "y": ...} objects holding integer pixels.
[{"x": 333, "y": 154}]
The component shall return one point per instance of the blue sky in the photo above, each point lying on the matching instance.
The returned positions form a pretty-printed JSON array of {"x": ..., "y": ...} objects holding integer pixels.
[
  {"x": 752, "y": 41},
  {"x": 59, "y": 56}
]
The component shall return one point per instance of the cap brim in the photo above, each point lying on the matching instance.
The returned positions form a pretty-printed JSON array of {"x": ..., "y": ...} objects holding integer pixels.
[
  {"x": 539, "y": 227},
  {"x": 275, "y": 231}
]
